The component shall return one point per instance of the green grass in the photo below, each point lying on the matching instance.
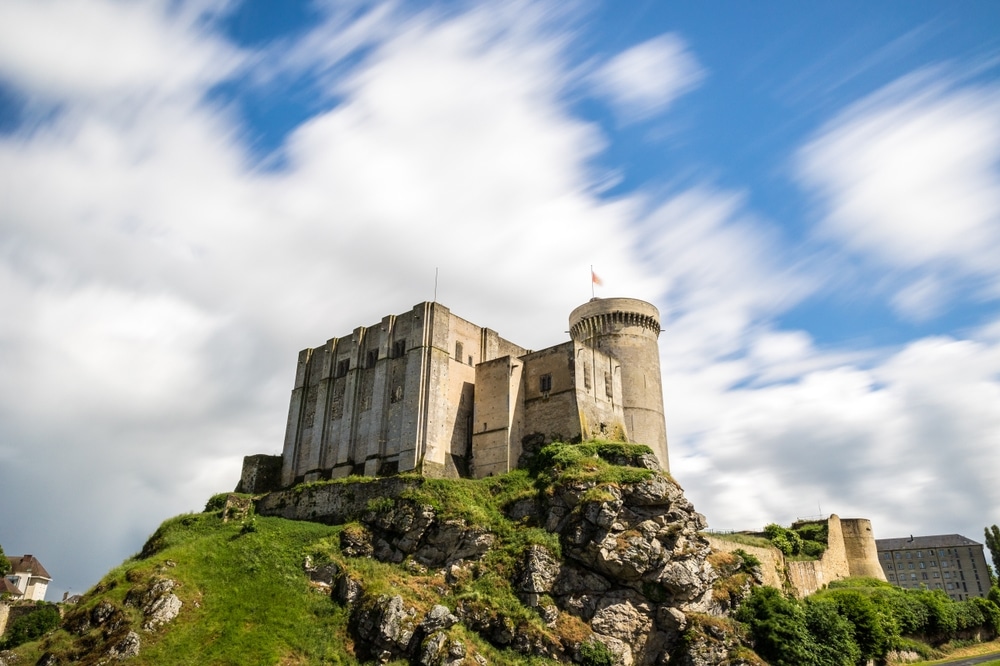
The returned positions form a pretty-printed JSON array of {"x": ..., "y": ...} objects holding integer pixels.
[{"x": 248, "y": 601}]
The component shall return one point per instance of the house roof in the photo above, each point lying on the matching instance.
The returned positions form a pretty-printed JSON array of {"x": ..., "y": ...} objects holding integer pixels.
[
  {"x": 7, "y": 587},
  {"x": 28, "y": 564},
  {"x": 937, "y": 541}
]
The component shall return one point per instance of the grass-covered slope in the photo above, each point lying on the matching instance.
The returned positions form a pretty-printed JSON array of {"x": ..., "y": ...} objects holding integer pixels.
[{"x": 247, "y": 599}]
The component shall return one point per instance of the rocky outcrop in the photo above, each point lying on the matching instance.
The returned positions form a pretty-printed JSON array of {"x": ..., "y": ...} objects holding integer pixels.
[
  {"x": 105, "y": 628},
  {"x": 632, "y": 570}
]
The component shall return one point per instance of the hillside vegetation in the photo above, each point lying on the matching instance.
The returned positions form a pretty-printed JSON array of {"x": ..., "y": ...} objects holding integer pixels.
[{"x": 589, "y": 557}]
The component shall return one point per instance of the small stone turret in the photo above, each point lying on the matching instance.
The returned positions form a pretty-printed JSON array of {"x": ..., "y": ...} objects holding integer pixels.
[{"x": 627, "y": 330}]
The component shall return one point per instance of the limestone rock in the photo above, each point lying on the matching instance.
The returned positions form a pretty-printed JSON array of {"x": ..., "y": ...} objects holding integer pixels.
[{"x": 128, "y": 646}]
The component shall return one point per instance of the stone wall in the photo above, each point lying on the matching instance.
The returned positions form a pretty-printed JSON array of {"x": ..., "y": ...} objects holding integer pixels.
[
  {"x": 850, "y": 552},
  {"x": 261, "y": 474},
  {"x": 772, "y": 562}
]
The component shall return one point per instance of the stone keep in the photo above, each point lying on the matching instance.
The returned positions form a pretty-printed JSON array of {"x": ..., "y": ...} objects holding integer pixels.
[{"x": 426, "y": 391}]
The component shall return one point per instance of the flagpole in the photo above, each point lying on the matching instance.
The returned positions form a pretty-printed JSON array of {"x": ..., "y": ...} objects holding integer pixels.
[{"x": 592, "y": 294}]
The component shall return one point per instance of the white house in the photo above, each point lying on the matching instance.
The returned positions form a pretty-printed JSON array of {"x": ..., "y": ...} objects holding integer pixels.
[{"x": 28, "y": 577}]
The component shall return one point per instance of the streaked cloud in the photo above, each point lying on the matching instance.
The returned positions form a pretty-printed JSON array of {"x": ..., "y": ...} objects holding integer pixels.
[
  {"x": 645, "y": 79},
  {"x": 908, "y": 179}
]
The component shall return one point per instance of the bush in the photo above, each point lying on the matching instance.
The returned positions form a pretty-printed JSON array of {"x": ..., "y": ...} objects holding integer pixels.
[
  {"x": 749, "y": 561},
  {"x": 832, "y": 633},
  {"x": 595, "y": 653},
  {"x": 32, "y": 626},
  {"x": 872, "y": 628},
  {"x": 778, "y": 627}
]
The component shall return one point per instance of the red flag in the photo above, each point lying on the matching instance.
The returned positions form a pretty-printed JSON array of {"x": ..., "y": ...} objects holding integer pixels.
[{"x": 594, "y": 278}]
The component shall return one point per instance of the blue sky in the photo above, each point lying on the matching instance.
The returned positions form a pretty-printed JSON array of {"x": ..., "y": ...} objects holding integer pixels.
[{"x": 191, "y": 192}]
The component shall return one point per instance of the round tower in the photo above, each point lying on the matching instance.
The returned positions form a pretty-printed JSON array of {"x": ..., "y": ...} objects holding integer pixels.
[{"x": 626, "y": 329}]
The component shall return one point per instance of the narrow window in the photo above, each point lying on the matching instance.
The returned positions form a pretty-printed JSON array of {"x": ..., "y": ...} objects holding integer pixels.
[
  {"x": 586, "y": 376},
  {"x": 397, "y": 393},
  {"x": 609, "y": 388},
  {"x": 545, "y": 383},
  {"x": 343, "y": 366},
  {"x": 398, "y": 348},
  {"x": 458, "y": 352},
  {"x": 470, "y": 360},
  {"x": 372, "y": 357}
]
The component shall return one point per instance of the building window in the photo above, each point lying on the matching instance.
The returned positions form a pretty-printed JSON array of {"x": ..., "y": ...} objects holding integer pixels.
[
  {"x": 910, "y": 565},
  {"x": 920, "y": 554},
  {"x": 545, "y": 383},
  {"x": 889, "y": 567},
  {"x": 343, "y": 366},
  {"x": 371, "y": 358},
  {"x": 892, "y": 576},
  {"x": 398, "y": 348},
  {"x": 458, "y": 352},
  {"x": 944, "y": 563},
  {"x": 924, "y": 576},
  {"x": 899, "y": 556},
  {"x": 937, "y": 575},
  {"x": 470, "y": 359},
  {"x": 922, "y": 565},
  {"x": 934, "y": 563},
  {"x": 950, "y": 586},
  {"x": 397, "y": 393},
  {"x": 609, "y": 389},
  {"x": 586, "y": 376},
  {"x": 913, "y": 576},
  {"x": 909, "y": 556},
  {"x": 947, "y": 575},
  {"x": 886, "y": 556}
]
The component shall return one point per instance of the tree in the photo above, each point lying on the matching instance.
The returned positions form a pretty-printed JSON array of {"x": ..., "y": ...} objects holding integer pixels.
[
  {"x": 4, "y": 563},
  {"x": 993, "y": 543}
]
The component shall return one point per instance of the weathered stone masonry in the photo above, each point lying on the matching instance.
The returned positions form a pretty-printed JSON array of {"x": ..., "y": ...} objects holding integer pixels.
[{"x": 430, "y": 392}]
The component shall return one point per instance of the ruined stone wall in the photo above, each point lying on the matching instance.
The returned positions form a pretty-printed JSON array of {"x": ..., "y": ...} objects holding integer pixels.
[
  {"x": 261, "y": 474},
  {"x": 860, "y": 547},
  {"x": 772, "y": 562}
]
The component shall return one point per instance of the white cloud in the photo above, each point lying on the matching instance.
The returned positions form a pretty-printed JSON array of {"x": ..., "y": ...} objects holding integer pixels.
[
  {"x": 88, "y": 49},
  {"x": 909, "y": 179},
  {"x": 645, "y": 79}
]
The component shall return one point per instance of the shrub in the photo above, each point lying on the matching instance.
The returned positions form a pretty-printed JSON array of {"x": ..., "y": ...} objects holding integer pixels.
[
  {"x": 778, "y": 627},
  {"x": 749, "y": 561},
  {"x": 31, "y": 626},
  {"x": 832, "y": 633},
  {"x": 595, "y": 653},
  {"x": 872, "y": 628}
]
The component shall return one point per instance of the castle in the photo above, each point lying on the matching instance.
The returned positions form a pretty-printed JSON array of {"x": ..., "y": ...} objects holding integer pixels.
[{"x": 429, "y": 392}]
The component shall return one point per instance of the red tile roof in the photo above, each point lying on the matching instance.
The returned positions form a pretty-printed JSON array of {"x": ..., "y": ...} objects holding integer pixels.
[{"x": 28, "y": 564}]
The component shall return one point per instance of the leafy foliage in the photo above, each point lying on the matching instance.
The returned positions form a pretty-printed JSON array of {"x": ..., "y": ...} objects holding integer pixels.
[
  {"x": 993, "y": 544},
  {"x": 595, "y": 653},
  {"x": 4, "y": 563},
  {"x": 860, "y": 619},
  {"x": 32, "y": 626}
]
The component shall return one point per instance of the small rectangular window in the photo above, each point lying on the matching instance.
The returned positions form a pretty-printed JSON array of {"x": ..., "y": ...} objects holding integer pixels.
[
  {"x": 371, "y": 358},
  {"x": 609, "y": 387},
  {"x": 343, "y": 366},
  {"x": 458, "y": 352},
  {"x": 545, "y": 383},
  {"x": 398, "y": 348}
]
